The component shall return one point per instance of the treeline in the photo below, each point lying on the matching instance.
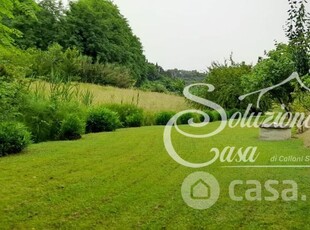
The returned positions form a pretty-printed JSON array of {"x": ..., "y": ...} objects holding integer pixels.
[
  {"x": 188, "y": 76},
  {"x": 88, "y": 41}
]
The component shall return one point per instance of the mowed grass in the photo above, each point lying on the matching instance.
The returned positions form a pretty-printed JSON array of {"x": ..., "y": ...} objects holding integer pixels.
[
  {"x": 126, "y": 180},
  {"x": 149, "y": 101}
]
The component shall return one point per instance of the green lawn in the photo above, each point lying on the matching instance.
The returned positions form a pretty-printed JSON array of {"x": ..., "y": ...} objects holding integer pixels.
[{"x": 126, "y": 180}]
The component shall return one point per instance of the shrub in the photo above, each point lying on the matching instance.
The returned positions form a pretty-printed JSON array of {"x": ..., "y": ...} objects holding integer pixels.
[
  {"x": 12, "y": 96},
  {"x": 129, "y": 115},
  {"x": 154, "y": 86},
  {"x": 44, "y": 117},
  {"x": 163, "y": 84},
  {"x": 72, "y": 128},
  {"x": 184, "y": 119},
  {"x": 14, "y": 137},
  {"x": 210, "y": 114},
  {"x": 216, "y": 116},
  {"x": 101, "y": 119},
  {"x": 163, "y": 117},
  {"x": 134, "y": 120},
  {"x": 72, "y": 65},
  {"x": 39, "y": 117},
  {"x": 17, "y": 62},
  {"x": 105, "y": 74},
  {"x": 55, "y": 60}
]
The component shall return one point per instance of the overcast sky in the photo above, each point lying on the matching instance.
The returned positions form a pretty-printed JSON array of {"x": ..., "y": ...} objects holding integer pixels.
[{"x": 190, "y": 34}]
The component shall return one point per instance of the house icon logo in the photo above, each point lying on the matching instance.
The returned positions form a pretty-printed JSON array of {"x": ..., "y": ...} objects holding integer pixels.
[{"x": 200, "y": 190}]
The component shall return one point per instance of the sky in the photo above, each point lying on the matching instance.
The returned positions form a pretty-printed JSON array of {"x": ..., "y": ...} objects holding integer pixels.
[{"x": 190, "y": 34}]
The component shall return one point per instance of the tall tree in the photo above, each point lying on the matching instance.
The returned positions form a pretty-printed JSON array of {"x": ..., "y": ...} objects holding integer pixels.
[
  {"x": 274, "y": 69},
  {"x": 227, "y": 79},
  {"x": 97, "y": 29},
  {"x": 297, "y": 32}
]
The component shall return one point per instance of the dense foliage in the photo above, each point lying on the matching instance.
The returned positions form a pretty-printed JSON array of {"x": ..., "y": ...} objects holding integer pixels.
[
  {"x": 101, "y": 119},
  {"x": 8, "y": 11},
  {"x": 274, "y": 69},
  {"x": 43, "y": 30},
  {"x": 163, "y": 118},
  {"x": 14, "y": 137},
  {"x": 227, "y": 79},
  {"x": 98, "y": 30},
  {"x": 129, "y": 115},
  {"x": 71, "y": 128},
  {"x": 95, "y": 28}
]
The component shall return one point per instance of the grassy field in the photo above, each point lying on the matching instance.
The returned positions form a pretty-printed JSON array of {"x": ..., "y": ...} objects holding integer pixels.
[
  {"x": 126, "y": 180},
  {"x": 150, "y": 101}
]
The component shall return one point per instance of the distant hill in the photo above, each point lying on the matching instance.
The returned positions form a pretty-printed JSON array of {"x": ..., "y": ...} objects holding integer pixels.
[
  {"x": 189, "y": 76},
  {"x": 173, "y": 80}
]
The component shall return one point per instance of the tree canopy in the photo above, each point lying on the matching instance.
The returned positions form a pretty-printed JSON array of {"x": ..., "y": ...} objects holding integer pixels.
[
  {"x": 274, "y": 69},
  {"x": 227, "y": 78},
  {"x": 96, "y": 28},
  {"x": 42, "y": 31},
  {"x": 8, "y": 10}
]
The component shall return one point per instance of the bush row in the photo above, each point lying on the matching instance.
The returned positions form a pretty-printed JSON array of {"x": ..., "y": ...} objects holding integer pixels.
[
  {"x": 164, "y": 117},
  {"x": 40, "y": 120},
  {"x": 215, "y": 116},
  {"x": 43, "y": 120}
]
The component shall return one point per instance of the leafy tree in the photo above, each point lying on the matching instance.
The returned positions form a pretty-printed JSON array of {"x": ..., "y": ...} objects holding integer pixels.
[
  {"x": 274, "y": 69},
  {"x": 227, "y": 78},
  {"x": 43, "y": 31},
  {"x": 154, "y": 72},
  {"x": 98, "y": 30},
  {"x": 298, "y": 33},
  {"x": 8, "y": 10}
]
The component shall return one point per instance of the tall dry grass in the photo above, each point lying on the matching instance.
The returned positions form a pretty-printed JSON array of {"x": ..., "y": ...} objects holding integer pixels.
[{"x": 149, "y": 101}]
